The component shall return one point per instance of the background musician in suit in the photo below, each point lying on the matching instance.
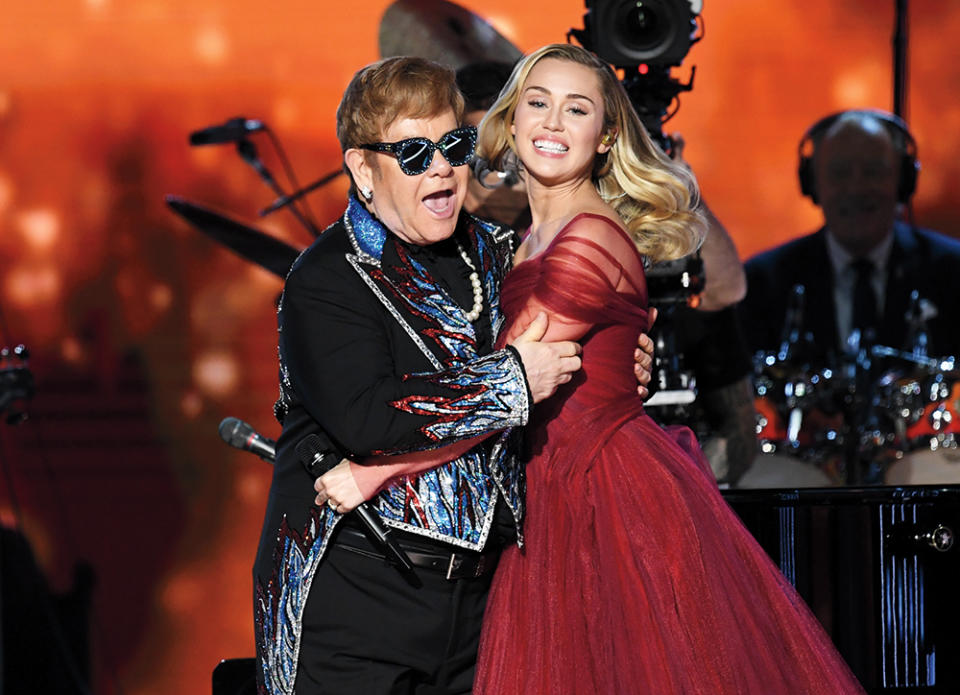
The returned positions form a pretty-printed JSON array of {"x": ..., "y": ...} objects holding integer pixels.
[
  {"x": 859, "y": 270},
  {"x": 861, "y": 303}
]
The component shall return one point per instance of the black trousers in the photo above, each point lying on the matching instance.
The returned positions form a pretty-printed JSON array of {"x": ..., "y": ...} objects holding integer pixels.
[{"x": 367, "y": 630}]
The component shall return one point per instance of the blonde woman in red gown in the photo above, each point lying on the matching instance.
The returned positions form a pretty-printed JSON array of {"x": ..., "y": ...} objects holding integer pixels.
[{"x": 634, "y": 576}]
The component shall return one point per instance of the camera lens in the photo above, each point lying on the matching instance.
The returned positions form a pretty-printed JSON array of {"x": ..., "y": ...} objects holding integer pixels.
[
  {"x": 644, "y": 25},
  {"x": 655, "y": 32},
  {"x": 628, "y": 33}
]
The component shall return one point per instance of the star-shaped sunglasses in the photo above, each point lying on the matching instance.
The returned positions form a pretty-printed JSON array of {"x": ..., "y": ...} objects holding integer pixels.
[{"x": 414, "y": 155}]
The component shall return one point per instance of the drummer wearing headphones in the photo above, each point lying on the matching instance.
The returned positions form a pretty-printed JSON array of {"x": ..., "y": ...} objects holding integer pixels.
[
  {"x": 860, "y": 269},
  {"x": 866, "y": 283}
]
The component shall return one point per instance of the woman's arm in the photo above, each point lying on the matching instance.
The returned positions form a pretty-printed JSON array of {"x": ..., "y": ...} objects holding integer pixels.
[{"x": 350, "y": 483}]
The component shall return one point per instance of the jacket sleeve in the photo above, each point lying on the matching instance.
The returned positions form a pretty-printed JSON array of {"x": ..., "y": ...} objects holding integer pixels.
[{"x": 337, "y": 357}]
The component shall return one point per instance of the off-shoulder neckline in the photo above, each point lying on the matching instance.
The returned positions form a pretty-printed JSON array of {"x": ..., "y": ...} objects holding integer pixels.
[{"x": 565, "y": 227}]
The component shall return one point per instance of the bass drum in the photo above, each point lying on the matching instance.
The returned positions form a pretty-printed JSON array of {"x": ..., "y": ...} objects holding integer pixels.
[
  {"x": 940, "y": 467},
  {"x": 776, "y": 470}
]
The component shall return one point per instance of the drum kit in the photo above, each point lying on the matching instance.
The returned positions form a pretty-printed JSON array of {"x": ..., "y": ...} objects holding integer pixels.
[{"x": 892, "y": 419}]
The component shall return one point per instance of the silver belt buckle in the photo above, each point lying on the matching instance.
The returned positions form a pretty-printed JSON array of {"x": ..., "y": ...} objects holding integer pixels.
[{"x": 455, "y": 563}]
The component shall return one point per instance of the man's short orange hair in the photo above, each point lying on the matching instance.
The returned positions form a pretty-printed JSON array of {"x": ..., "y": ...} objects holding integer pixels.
[{"x": 399, "y": 87}]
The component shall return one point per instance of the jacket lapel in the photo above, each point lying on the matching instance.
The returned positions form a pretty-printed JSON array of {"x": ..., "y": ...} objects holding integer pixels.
[
  {"x": 901, "y": 281},
  {"x": 436, "y": 324},
  {"x": 495, "y": 249}
]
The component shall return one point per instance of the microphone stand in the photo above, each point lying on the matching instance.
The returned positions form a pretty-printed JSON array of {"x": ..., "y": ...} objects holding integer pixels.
[
  {"x": 900, "y": 39},
  {"x": 248, "y": 152},
  {"x": 866, "y": 439},
  {"x": 286, "y": 200}
]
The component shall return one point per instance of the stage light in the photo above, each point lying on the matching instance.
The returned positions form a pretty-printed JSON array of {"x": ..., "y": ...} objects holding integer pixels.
[
  {"x": 40, "y": 228},
  {"x": 216, "y": 374}
]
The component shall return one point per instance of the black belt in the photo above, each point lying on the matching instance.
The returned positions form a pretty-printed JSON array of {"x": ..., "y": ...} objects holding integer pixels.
[{"x": 452, "y": 564}]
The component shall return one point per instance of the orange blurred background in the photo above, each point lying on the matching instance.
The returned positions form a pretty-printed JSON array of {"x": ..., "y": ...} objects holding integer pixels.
[{"x": 145, "y": 334}]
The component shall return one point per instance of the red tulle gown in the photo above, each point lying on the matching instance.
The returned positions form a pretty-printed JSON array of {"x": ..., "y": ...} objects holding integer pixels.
[{"x": 636, "y": 577}]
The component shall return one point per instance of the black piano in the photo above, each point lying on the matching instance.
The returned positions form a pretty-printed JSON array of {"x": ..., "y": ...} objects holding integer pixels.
[{"x": 879, "y": 568}]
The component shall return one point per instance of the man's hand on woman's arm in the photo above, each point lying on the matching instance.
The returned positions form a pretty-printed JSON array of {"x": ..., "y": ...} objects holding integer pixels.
[{"x": 546, "y": 364}]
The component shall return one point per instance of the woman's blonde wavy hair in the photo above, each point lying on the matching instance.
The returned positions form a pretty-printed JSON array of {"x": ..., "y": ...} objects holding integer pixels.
[{"x": 656, "y": 198}]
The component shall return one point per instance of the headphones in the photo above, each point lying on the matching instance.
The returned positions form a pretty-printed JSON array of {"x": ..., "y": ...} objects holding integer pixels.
[{"x": 902, "y": 139}]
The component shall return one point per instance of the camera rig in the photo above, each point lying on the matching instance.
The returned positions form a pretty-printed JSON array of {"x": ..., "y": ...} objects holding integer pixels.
[{"x": 645, "y": 39}]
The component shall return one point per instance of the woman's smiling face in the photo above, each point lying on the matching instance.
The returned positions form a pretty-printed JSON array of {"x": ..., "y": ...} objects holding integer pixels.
[{"x": 559, "y": 121}]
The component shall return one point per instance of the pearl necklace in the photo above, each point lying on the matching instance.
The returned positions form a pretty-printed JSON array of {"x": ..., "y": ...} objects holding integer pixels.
[{"x": 474, "y": 313}]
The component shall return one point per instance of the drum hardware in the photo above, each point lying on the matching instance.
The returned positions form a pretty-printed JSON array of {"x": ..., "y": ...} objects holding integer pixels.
[
  {"x": 236, "y": 131},
  {"x": 266, "y": 251},
  {"x": 918, "y": 398},
  {"x": 920, "y": 311},
  {"x": 921, "y": 407},
  {"x": 671, "y": 284},
  {"x": 797, "y": 408},
  {"x": 799, "y": 405},
  {"x": 888, "y": 405},
  {"x": 901, "y": 426},
  {"x": 875, "y": 439},
  {"x": 791, "y": 338},
  {"x": 945, "y": 364}
]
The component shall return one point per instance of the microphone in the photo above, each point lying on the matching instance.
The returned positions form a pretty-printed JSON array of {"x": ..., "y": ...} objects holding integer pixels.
[
  {"x": 236, "y": 130},
  {"x": 317, "y": 462},
  {"x": 231, "y": 131},
  {"x": 241, "y": 435},
  {"x": 482, "y": 171}
]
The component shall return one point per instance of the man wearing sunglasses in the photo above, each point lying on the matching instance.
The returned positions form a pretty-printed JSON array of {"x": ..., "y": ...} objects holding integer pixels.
[{"x": 415, "y": 155}]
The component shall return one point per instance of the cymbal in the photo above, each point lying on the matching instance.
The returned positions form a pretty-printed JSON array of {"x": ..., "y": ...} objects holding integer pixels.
[
  {"x": 443, "y": 32},
  {"x": 910, "y": 358},
  {"x": 266, "y": 251}
]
